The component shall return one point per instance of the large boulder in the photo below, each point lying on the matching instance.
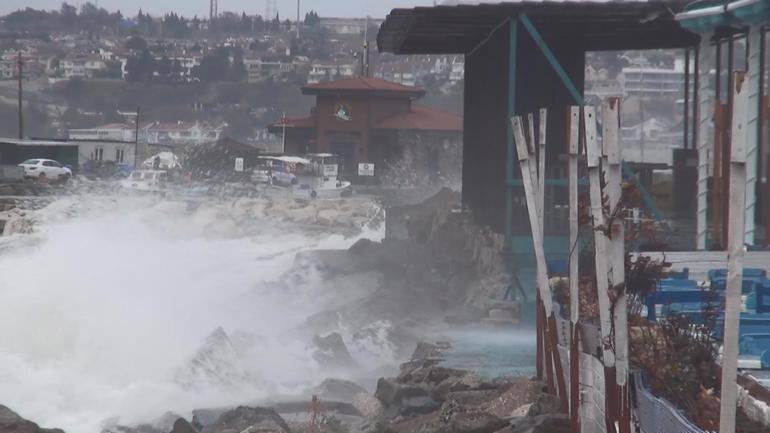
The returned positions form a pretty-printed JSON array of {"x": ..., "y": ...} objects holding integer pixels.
[
  {"x": 330, "y": 352},
  {"x": 338, "y": 390},
  {"x": 549, "y": 423},
  {"x": 182, "y": 426},
  {"x": 404, "y": 399},
  {"x": 455, "y": 418},
  {"x": 256, "y": 419},
  {"x": 11, "y": 422}
]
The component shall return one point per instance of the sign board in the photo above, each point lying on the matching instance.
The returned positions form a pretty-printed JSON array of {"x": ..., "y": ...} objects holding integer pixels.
[
  {"x": 365, "y": 169},
  {"x": 238, "y": 164},
  {"x": 330, "y": 170}
]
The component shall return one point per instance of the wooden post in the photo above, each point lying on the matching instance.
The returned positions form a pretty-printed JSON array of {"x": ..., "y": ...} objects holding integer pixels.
[
  {"x": 617, "y": 250},
  {"x": 594, "y": 154},
  {"x": 530, "y": 191},
  {"x": 532, "y": 149},
  {"x": 738, "y": 156},
  {"x": 703, "y": 115},
  {"x": 539, "y": 326},
  {"x": 541, "y": 167},
  {"x": 716, "y": 193},
  {"x": 574, "y": 283},
  {"x": 754, "y": 89}
]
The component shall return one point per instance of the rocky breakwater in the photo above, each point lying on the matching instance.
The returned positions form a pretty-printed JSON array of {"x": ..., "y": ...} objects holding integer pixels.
[
  {"x": 11, "y": 422},
  {"x": 428, "y": 398}
]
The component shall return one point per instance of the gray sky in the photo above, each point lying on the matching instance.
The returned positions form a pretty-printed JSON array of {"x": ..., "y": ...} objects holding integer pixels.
[{"x": 288, "y": 8}]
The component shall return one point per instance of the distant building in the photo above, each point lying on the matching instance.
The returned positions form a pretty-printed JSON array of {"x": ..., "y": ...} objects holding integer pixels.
[
  {"x": 86, "y": 66},
  {"x": 369, "y": 120},
  {"x": 265, "y": 67},
  {"x": 180, "y": 133},
  {"x": 8, "y": 69},
  {"x": 649, "y": 81},
  {"x": 329, "y": 71},
  {"x": 348, "y": 26},
  {"x": 457, "y": 73},
  {"x": 651, "y": 141},
  {"x": 113, "y": 131},
  {"x": 600, "y": 85}
]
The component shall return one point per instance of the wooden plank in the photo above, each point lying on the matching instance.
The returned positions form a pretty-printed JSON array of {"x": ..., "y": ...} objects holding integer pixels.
[
  {"x": 600, "y": 242},
  {"x": 703, "y": 115},
  {"x": 574, "y": 254},
  {"x": 617, "y": 251},
  {"x": 729, "y": 394},
  {"x": 534, "y": 220},
  {"x": 616, "y": 247},
  {"x": 532, "y": 150},
  {"x": 541, "y": 166}
]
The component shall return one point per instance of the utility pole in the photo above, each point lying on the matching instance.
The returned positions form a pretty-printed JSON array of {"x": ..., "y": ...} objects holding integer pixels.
[
  {"x": 21, "y": 107},
  {"x": 283, "y": 138},
  {"x": 365, "y": 59},
  {"x": 136, "y": 138},
  {"x": 298, "y": 23}
]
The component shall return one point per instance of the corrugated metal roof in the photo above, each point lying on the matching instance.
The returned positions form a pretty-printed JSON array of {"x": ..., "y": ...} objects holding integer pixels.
[{"x": 596, "y": 25}]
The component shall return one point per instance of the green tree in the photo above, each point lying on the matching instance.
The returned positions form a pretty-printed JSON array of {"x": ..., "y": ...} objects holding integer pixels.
[
  {"x": 136, "y": 43},
  {"x": 312, "y": 19}
]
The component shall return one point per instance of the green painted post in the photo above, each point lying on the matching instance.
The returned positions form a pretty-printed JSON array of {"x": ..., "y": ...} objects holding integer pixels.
[
  {"x": 565, "y": 79},
  {"x": 510, "y": 152}
]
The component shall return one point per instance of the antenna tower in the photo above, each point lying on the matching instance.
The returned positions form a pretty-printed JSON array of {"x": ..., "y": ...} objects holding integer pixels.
[{"x": 271, "y": 9}]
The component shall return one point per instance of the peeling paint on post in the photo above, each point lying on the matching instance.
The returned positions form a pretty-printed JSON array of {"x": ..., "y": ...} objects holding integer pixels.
[{"x": 738, "y": 156}]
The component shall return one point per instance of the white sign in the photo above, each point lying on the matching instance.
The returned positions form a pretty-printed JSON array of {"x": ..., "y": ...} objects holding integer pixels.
[
  {"x": 238, "y": 164},
  {"x": 365, "y": 169},
  {"x": 330, "y": 170}
]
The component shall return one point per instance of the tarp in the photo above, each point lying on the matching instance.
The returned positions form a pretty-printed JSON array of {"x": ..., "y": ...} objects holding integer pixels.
[{"x": 167, "y": 161}]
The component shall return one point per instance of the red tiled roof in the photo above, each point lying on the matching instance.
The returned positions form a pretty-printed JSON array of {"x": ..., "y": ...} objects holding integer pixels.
[
  {"x": 362, "y": 84},
  {"x": 423, "y": 118}
]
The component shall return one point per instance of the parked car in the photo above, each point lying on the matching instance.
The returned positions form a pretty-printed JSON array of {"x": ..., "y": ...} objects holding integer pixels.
[
  {"x": 275, "y": 170},
  {"x": 48, "y": 168},
  {"x": 146, "y": 181}
]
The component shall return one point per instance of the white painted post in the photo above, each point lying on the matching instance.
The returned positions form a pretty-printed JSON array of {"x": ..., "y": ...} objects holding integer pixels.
[
  {"x": 705, "y": 137},
  {"x": 735, "y": 259},
  {"x": 534, "y": 218},
  {"x": 752, "y": 130},
  {"x": 541, "y": 168},
  {"x": 617, "y": 249},
  {"x": 594, "y": 153},
  {"x": 574, "y": 252},
  {"x": 532, "y": 149},
  {"x": 573, "y": 260}
]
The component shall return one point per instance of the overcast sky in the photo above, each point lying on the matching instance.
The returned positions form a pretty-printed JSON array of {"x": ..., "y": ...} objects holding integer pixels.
[{"x": 287, "y": 8}]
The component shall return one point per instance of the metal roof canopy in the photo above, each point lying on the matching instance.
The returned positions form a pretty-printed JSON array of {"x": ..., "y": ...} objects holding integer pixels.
[{"x": 597, "y": 26}]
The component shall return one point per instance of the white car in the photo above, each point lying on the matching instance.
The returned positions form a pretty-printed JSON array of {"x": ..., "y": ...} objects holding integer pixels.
[{"x": 48, "y": 168}]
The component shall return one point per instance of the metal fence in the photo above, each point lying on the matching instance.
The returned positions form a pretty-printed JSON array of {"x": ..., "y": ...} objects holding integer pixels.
[{"x": 653, "y": 414}]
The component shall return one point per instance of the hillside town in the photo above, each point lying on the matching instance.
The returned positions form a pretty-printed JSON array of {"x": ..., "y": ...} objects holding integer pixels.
[{"x": 412, "y": 216}]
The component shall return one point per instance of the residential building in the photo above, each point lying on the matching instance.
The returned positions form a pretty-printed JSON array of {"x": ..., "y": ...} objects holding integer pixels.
[
  {"x": 265, "y": 67},
  {"x": 457, "y": 73},
  {"x": 180, "y": 133},
  {"x": 600, "y": 85},
  {"x": 120, "y": 152},
  {"x": 651, "y": 81},
  {"x": 85, "y": 66},
  {"x": 329, "y": 71},
  {"x": 8, "y": 69},
  {"x": 113, "y": 132}
]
